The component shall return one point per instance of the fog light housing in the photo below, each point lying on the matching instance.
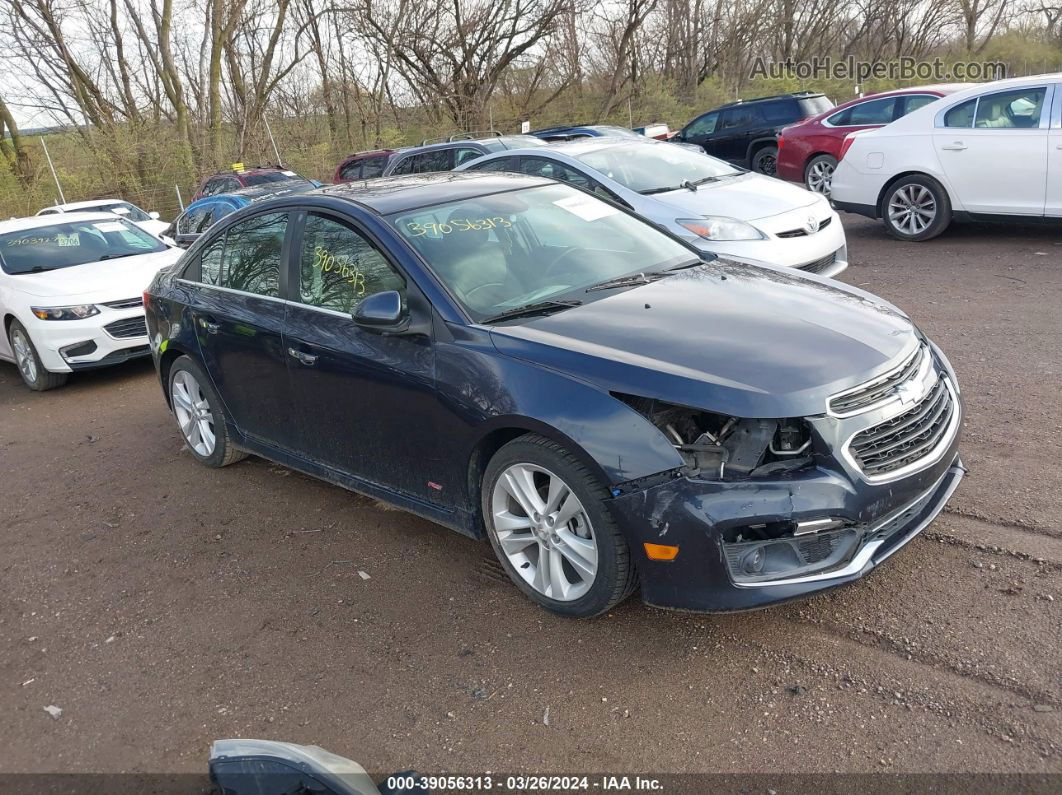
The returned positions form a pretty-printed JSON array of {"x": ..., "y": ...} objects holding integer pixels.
[
  {"x": 78, "y": 349},
  {"x": 752, "y": 562}
]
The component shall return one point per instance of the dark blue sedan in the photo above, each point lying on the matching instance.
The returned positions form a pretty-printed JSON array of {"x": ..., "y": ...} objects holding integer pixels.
[{"x": 519, "y": 360}]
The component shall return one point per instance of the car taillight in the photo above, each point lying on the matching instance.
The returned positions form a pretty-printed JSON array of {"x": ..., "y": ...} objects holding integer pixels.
[
  {"x": 846, "y": 144},
  {"x": 781, "y": 142},
  {"x": 147, "y": 299}
]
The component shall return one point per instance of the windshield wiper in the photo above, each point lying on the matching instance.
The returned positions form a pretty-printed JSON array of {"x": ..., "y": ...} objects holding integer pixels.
[
  {"x": 626, "y": 281},
  {"x": 530, "y": 310},
  {"x": 34, "y": 269},
  {"x": 651, "y": 191},
  {"x": 119, "y": 256}
]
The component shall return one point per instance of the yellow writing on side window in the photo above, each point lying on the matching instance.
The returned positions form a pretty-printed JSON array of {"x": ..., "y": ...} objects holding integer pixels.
[
  {"x": 327, "y": 262},
  {"x": 457, "y": 225}
]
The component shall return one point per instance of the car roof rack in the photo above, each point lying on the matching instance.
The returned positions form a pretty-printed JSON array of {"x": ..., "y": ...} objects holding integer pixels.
[
  {"x": 793, "y": 95},
  {"x": 470, "y": 135}
]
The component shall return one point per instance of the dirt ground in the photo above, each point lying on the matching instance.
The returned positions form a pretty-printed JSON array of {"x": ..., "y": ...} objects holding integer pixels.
[{"x": 162, "y": 605}]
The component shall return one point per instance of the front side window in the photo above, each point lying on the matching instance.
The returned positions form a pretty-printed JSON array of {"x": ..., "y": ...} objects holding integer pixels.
[
  {"x": 497, "y": 164},
  {"x": 339, "y": 267},
  {"x": 1018, "y": 109},
  {"x": 655, "y": 167},
  {"x": 373, "y": 167},
  {"x": 425, "y": 162},
  {"x": 351, "y": 171},
  {"x": 65, "y": 245},
  {"x": 705, "y": 125},
  {"x": 499, "y": 252},
  {"x": 253, "y": 253},
  {"x": 551, "y": 169}
]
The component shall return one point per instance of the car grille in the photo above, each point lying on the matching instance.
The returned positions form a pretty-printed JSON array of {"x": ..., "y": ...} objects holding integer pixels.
[
  {"x": 906, "y": 438},
  {"x": 126, "y": 303},
  {"x": 879, "y": 389},
  {"x": 128, "y": 327},
  {"x": 819, "y": 265},
  {"x": 804, "y": 232}
]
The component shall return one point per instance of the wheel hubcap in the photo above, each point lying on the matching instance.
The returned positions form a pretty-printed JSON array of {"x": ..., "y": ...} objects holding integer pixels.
[
  {"x": 24, "y": 358},
  {"x": 193, "y": 413},
  {"x": 820, "y": 177},
  {"x": 912, "y": 209},
  {"x": 544, "y": 532}
]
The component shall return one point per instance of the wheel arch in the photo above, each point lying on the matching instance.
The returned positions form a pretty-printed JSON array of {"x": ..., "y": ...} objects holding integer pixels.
[
  {"x": 172, "y": 353},
  {"x": 758, "y": 144},
  {"x": 911, "y": 173}
]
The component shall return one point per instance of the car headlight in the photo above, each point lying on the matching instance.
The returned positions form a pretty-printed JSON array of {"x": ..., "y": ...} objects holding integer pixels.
[
  {"x": 718, "y": 227},
  {"x": 79, "y": 312}
]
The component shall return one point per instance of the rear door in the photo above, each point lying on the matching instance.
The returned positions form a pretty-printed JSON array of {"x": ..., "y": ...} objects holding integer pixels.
[
  {"x": 366, "y": 402},
  {"x": 1054, "y": 158},
  {"x": 239, "y": 316},
  {"x": 993, "y": 150}
]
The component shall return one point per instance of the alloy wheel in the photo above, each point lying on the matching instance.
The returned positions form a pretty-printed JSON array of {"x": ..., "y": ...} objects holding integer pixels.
[
  {"x": 820, "y": 177},
  {"x": 912, "y": 209},
  {"x": 768, "y": 165},
  {"x": 24, "y": 358},
  {"x": 193, "y": 413},
  {"x": 544, "y": 531}
]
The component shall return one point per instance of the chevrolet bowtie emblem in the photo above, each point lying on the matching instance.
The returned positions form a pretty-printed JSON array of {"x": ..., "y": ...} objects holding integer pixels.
[{"x": 909, "y": 393}]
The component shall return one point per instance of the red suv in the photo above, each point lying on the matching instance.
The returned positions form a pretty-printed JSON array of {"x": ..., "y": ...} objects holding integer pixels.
[
  {"x": 240, "y": 177},
  {"x": 808, "y": 151},
  {"x": 363, "y": 165}
]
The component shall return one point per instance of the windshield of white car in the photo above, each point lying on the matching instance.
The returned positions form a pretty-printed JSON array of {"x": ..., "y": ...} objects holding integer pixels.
[
  {"x": 524, "y": 248},
  {"x": 652, "y": 168},
  {"x": 65, "y": 245},
  {"x": 124, "y": 209}
]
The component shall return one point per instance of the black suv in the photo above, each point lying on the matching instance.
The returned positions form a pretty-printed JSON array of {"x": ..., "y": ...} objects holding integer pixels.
[{"x": 744, "y": 132}]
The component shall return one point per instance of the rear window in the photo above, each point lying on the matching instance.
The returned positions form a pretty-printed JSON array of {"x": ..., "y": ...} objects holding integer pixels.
[
  {"x": 813, "y": 106},
  {"x": 267, "y": 177},
  {"x": 48, "y": 248}
]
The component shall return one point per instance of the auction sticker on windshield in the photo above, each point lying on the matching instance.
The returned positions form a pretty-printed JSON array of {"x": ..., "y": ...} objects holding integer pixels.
[{"x": 586, "y": 207}]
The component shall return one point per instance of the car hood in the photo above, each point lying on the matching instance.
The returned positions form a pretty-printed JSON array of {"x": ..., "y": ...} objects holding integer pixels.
[
  {"x": 94, "y": 282},
  {"x": 747, "y": 198},
  {"x": 726, "y": 337}
]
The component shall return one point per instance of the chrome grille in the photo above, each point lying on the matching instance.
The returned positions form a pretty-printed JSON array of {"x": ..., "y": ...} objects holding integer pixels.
[
  {"x": 879, "y": 389},
  {"x": 819, "y": 265},
  {"x": 804, "y": 232},
  {"x": 906, "y": 438},
  {"x": 127, "y": 328},
  {"x": 126, "y": 303}
]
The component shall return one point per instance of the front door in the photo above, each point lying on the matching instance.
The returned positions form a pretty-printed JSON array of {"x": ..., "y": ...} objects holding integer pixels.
[
  {"x": 240, "y": 321},
  {"x": 366, "y": 402},
  {"x": 731, "y": 141},
  {"x": 993, "y": 151}
]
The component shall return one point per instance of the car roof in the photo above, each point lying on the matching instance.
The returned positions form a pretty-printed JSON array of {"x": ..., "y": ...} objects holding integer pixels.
[
  {"x": 89, "y": 203},
  {"x": 795, "y": 95},
  {"x": 586, "y": 145},
  {"x": 37, "y": 221},
  {"x": 368, "y": 153},
  {"x": 388, "y": 195}
]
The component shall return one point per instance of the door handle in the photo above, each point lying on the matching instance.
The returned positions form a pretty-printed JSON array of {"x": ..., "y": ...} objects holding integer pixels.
[
  {"x": 958, "y": 146},
  {"x": 305, "y": 358},
  {"x": 210, "y": 326}
]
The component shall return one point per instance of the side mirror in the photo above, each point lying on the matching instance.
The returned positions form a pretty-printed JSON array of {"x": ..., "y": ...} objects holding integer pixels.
[
  {"x": 154, "y": 215},
  {"x": 381, "y": 312},
  {"x": 169, "y": 241}
]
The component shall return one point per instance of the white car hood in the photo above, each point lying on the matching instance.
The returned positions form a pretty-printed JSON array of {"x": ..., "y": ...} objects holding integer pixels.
[
  {"x": 747, "y": 198},
  {"x": 95, "y": 282}
]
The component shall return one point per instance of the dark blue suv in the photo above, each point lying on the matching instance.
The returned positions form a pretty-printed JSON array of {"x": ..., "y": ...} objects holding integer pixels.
[{"x": 517, "y": 359}]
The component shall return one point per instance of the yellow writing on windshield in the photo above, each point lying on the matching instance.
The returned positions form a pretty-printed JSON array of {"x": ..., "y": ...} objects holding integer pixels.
[{"x": 457, "y": 225}]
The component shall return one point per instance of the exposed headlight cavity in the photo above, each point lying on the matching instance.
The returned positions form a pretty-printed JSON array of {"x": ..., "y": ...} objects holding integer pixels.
[{"x": 728, "y": 448}]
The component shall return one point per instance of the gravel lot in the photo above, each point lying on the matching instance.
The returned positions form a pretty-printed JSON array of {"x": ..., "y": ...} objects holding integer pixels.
[{"x": 161, "y": 605}]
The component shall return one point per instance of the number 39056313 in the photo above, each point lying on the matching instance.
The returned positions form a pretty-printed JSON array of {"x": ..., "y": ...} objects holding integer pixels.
[{"x": 457, "y": 225}]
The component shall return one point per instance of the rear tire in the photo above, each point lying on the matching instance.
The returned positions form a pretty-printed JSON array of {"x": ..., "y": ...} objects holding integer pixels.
[
  {"x": 765, "y": 161},
  {"x": 818, "y": 175},
  {"x": 200, "y": 415},
  {"x": 915, "y": 208},
  {"x": 567, "y": 527},
  {"x": 29, "y": 363}
]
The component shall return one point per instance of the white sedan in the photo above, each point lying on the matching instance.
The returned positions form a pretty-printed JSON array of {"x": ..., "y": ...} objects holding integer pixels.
[
  {"x": 148, "y": 221},
  {"x": 990, "y": 152},
  {"x": 718, "y": 207},
  {"x": 71, "y": 293}
]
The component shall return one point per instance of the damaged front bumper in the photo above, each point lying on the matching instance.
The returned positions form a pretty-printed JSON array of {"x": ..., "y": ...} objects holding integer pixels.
[{"x": 752, "y": 543}]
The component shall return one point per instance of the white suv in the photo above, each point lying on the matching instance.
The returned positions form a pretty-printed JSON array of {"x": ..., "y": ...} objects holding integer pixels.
[
  {"x": 71, "y": 293},
  {"x": 990, "y": 152}
]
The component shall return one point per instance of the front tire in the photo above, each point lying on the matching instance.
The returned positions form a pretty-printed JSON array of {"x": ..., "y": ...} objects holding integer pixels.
[
  {"x": 916, "y": 208},
  {"x": 29, "y": 363},
  {"x": 554, "y": 535},
  {"x": 765, "y": 161},
  {"x": 818, "y": 176},
  {"x": 200, "y": 415}
]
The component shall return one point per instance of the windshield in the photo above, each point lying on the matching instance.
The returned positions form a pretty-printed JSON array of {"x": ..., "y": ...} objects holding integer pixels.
[
  {"x": 124, "y": 209},
  {"x": 647, "y": 167},
  {"x": 507, "y": 250},
  {"x": 65, "y": 245},
  {"x": 266, "y": 177},
  {"x": 617, "y": 132}
]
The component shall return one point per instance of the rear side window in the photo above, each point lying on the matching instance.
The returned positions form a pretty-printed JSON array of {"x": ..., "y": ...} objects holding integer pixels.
[
  {"x": 740, "y": 118},
  {"x": 914, "y": 102},
  {"x": 961, "y": 115},
  {"x": 436, "y": 160},
  {"x": 339, "y": 267},
  {"x": 373, "y": 167},
  {"x": 464, "y": 154},
  {"x": 252, "y": 255},
  {"x": 780, "y": 112},
  {"x": 210, "y": 263},
  {"x": 351, "y": 171}
]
